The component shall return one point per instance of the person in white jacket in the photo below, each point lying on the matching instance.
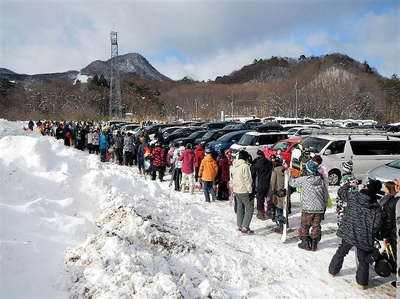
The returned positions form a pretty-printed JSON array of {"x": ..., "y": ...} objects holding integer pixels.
[{"x": 242, "y": 188}]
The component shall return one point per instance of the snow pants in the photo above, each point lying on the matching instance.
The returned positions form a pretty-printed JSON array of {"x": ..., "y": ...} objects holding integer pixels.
[
  {"x": 362, "y": 273},
  {"x": 160, "y": 170},
  {"x": 103, "y": 153},
  {"x": 260, "y": 196},
  {"x": 223, "y": 192},
  {"x": 187, "y": 179},
  {"x": 312, "y": 220},
  {"x": 177, "y": 178},
  {"x": 128, "y": 157},
  {"x": 208, "y": 188},
  {"x": 245, "y": 209}
]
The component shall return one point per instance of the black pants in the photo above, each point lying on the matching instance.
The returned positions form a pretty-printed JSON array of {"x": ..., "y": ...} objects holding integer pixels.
[
  {"x": 103, "y": 153},
  {"x": 177, "y": 178},
  {"x": 223, "y": 193},
  {"x": 119, "y": 155},
  {"x": 128, "y": 158},
  {"x": 362, "y": 269},
  {"x": 196, "y": 174},
  {"x": 260, "y": 196},
  {"x": 160, "y": 170}
]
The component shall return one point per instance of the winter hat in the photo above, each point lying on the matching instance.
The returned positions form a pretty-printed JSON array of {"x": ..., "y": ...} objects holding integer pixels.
[
  {"x": 208, "y": 150},
  {"x": 189, "y": 146},
  {"x": 347, "y": 166},
  {"x": 317, "y": 159},
  {"x": 311, "y": 167},
  {"x": 374, "y": 186},
  {"x": 243, "y": 155}
]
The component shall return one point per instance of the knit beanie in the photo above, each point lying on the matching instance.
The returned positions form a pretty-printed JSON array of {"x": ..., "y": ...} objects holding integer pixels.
[
  {"x": 347, "y": 166},
  {"x": 311, "y": 167}
]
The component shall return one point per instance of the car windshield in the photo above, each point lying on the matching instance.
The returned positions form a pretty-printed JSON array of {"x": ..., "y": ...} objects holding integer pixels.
[
  {"x": 394, "y": 164},
  {"x": 209, "y": 134},
  {"x": 229, "y": 137},
  {"x": 247, "y": 139},
  {"x": 292, "y": 131},
  {"x": 314, "y": 143},
  {"x": 197, "y": 134},
  {"x": 281, "y": 146}
]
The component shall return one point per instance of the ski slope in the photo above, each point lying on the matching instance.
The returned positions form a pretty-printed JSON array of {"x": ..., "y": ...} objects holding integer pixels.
[{"x": 74, "y": 227}]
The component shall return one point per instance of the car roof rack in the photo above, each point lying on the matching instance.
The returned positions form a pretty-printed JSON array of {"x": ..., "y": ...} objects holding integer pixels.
[{"x": 344, "y": 131}]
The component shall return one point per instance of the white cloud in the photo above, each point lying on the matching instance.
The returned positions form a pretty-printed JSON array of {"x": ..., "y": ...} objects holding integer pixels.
[
  {"x": 226, "y": 61},
  {"x": 216, "y": 37}
]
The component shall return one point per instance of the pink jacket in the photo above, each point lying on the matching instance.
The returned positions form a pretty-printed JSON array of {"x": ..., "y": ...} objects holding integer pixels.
[{"x": 188, "y": 159}]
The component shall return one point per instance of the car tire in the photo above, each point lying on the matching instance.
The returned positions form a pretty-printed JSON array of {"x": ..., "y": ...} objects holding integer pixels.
[{"x": 334, "y": 177}]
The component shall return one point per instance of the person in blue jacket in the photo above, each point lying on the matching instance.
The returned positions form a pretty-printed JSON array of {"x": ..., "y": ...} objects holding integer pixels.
[{"x": 103, "y": 145}]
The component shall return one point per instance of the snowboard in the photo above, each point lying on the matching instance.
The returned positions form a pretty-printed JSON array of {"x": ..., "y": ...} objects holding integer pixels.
[{"x": 285, "y": 207}]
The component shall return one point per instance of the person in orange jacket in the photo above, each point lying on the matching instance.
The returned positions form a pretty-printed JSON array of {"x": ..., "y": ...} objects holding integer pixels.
[{"x": 207, "y": 172}]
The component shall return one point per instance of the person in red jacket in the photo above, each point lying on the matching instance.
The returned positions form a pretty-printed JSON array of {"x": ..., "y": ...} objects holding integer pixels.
[
  {"x": 198, "y": 157},
  {"x": 222, "y": 176},
  {"x": 187, "y": 159},
  {"x": 158, "y": 163}
]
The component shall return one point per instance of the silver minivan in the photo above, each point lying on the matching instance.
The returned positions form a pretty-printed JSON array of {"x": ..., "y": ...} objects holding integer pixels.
[{"x": 366, "y": 152}]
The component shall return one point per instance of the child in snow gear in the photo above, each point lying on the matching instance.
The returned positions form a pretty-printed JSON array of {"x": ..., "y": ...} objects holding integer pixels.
[
  {"x": 177, "y": 173},
  {"x": 158, "y": 162},
  {"x": 208, "y": 172},
  {"x": 360, "y": 226},
  {"x": 314, "y": 196},
  {"x": 347, "y": 177},
  {"x": 187, "y": 159},
  {"x": 223, "y": 176},
  {"x": 103, "y": 145},
  {"x": 198, "y": 157},
  {"x": 242, "y": 183},
  {"x": 261, "y": 175},
  {"x": 277, "y": 193}
]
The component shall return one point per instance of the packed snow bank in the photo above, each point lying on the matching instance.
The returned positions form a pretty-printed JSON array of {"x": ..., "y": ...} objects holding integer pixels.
[
  {"x": 8, "y": 128},
  {"x": 46, "y": 205},
  {"x": 120, "y": 236}
]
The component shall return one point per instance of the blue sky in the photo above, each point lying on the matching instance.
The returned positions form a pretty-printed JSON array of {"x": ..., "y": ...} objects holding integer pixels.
[{"x": 200, "y": 39}]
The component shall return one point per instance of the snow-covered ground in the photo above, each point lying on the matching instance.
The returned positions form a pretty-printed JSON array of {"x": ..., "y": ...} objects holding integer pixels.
[{"x": 74, "y": 227}]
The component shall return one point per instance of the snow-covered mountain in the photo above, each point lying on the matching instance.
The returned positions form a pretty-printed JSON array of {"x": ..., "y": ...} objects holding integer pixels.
[{"x": 132, "y": 63}]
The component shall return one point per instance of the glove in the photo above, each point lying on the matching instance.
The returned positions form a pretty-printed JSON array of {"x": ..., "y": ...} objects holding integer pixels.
[{"x": 252, "y": 195}]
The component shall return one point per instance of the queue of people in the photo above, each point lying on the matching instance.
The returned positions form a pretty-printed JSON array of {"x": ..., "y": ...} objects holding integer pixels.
[{"x": 363, "y": 217}]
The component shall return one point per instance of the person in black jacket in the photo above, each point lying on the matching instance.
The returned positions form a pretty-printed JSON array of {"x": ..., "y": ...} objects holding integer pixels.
[
  {"x": 388, "y": 204},
  {"x": 360, "y": 226},
  {"x": 261, "y": 174}
]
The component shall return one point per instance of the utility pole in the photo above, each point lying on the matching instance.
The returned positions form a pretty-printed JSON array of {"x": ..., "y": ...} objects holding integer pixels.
[
  {"x": 232, "y": 106},
  {"x": 115, "y": 88},
  {"x": 296, "y": 102}
]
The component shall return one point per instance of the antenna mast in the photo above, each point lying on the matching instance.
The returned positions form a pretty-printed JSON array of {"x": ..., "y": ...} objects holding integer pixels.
[{"x": 115, "y": 88}]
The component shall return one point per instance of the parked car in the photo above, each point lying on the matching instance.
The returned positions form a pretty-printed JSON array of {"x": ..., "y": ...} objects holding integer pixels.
[
  {"x": 385, "y": 173},
  {"x": 253, "y": 141},
  {"x": 191, "y": 138},
  {"x": 225, "y": 141},
  {"x": 212, "y": 135},
  {"x": 283, "y": 148},
  {"x": 236, "y": 126},
  {"x": 271, "y": 126},
  {"x": 301, "y": 132},
  {"x": 180, "y": 133},
  {"x": 366, "y": 152},
  {"x": 152, "y": 129},
  {"x": 215, "y": 125},
  {"x": 169, "y": 130}
]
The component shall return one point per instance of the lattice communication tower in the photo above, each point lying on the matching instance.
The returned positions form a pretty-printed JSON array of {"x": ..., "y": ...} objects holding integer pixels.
[{"x": 115, "y": 87}]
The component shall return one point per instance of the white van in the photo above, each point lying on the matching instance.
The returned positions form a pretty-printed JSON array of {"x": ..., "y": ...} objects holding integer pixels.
[
  {"x": 366, "y": 152},
  {"x": 253, "y": 141}
]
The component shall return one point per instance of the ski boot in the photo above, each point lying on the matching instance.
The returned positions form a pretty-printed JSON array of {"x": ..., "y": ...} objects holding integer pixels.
[
  {"x": 261, "y": 216},
  {"x": 314, "y": 244},
  {"x": 305, "y": 243}
]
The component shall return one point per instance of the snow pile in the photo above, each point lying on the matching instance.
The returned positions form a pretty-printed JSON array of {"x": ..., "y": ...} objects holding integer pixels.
[
  {"x": 81, "y": 78},
  {"x": 46, "y": 205},
  {"x": 118, "y": 235},
  {"x": 13, "y": 128}
]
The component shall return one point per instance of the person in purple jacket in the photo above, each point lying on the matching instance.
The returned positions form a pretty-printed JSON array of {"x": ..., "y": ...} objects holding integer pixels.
[{"x": 187, "y": 159}]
